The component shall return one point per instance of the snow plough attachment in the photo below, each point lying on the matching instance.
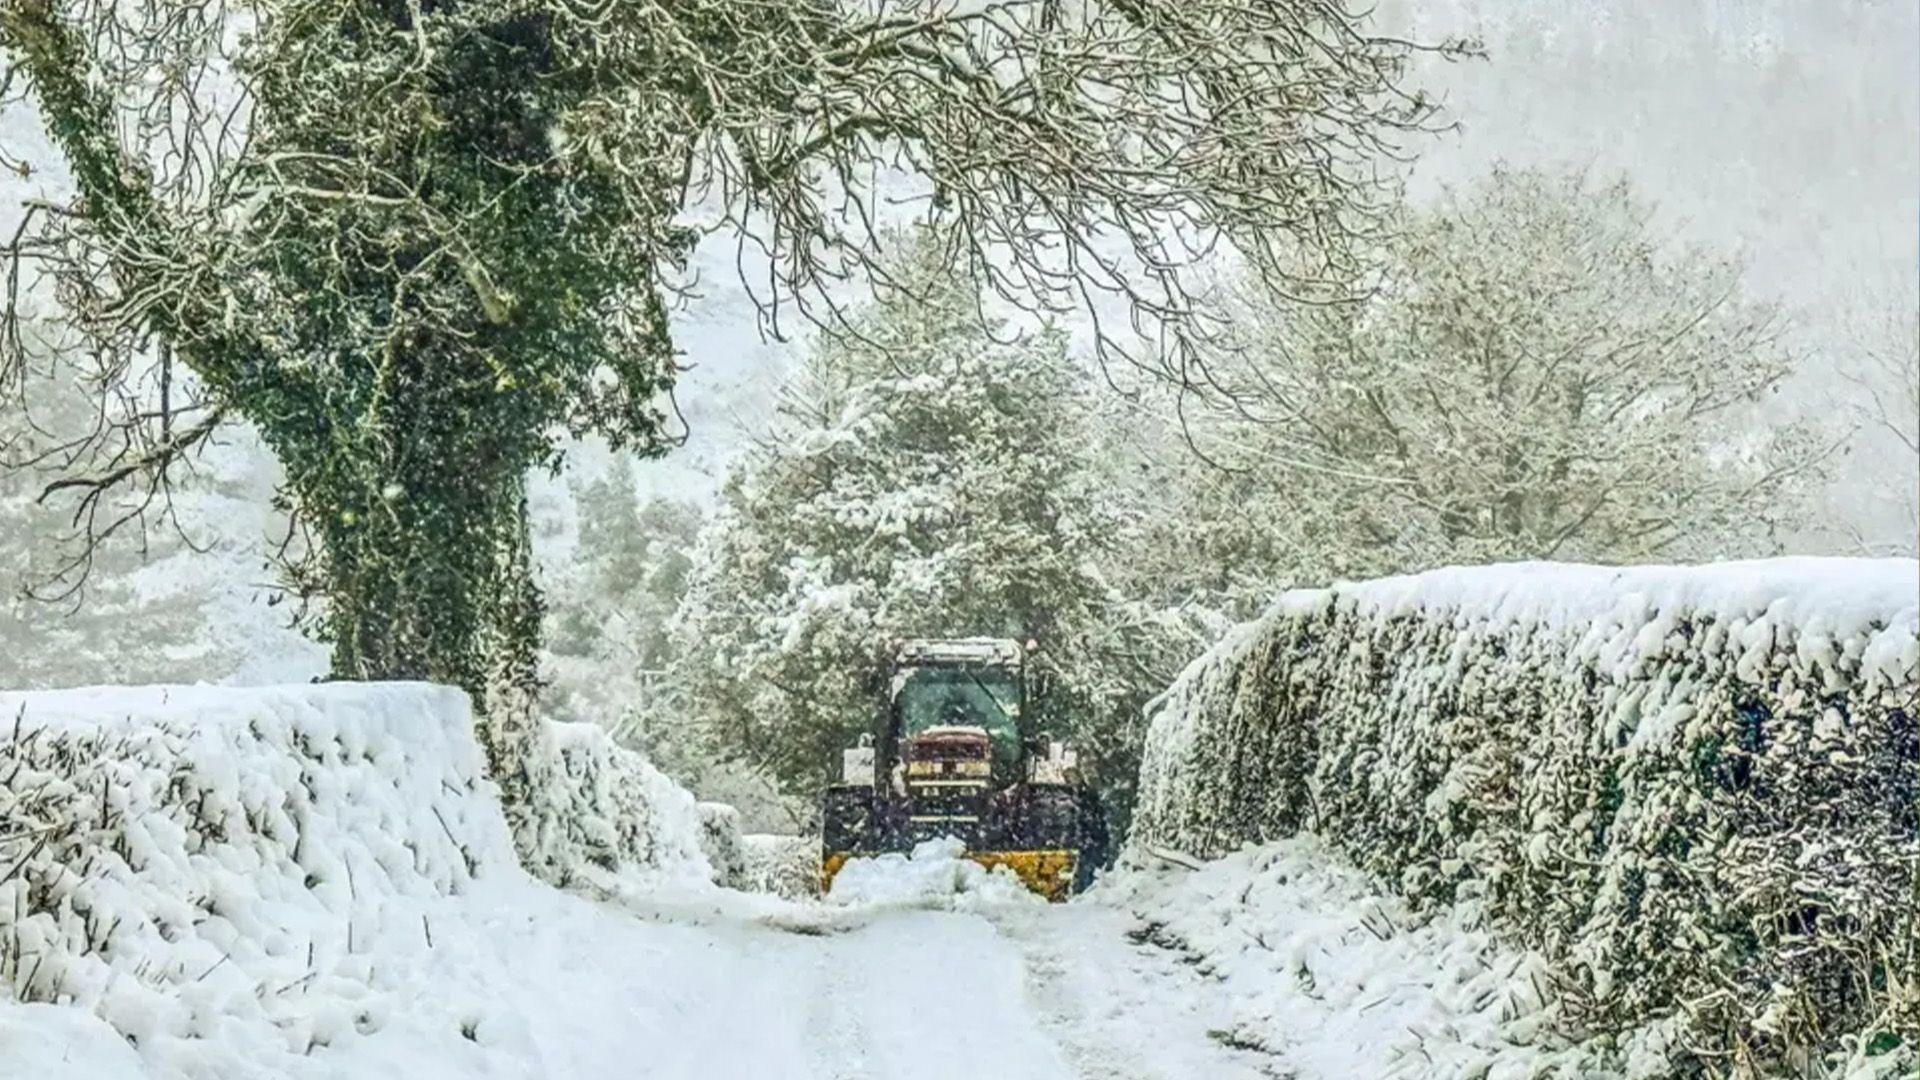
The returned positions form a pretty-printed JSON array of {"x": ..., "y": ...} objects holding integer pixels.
[{"x": 951, "y": 758}]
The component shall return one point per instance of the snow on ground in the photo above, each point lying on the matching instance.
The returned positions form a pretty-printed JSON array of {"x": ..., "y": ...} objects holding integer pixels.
[
  {"x": 56, "y": 1042},
  {"x": 1073, "y": 990},
  {"x": 1334, "y": 977},
  {"x": 934, "y": 874},
  {"x": 1275, "y": 961}
]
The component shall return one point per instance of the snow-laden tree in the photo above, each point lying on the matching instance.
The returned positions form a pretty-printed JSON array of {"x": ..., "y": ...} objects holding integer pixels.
[
  {"x": 417, "y": 243},
  {"x": 926, "y": 478},
  {"x": 607, "y": 645},
  {"x": 613, "y": 592},
  {"x": 1536, "y": 373}
]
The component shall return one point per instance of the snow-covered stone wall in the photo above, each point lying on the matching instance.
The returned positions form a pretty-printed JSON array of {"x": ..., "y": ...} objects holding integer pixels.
[
  {"x": 1697, "y": 789},
  {"x": 225, "y": 875}
]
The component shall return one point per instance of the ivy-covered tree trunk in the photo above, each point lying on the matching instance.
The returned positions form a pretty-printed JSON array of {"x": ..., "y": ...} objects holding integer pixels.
[
  {"x": 428, "y": 575},
  {"x": 392, "y": 611},
  {"x": 511, "y": 648},
  {"x": 405, "y": 581}
]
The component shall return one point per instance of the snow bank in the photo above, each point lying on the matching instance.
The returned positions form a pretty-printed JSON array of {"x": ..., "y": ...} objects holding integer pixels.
[
  {"x": 47, "y": 1042},
  {"x": 1335, "y": 979},
  {"x": 243, "y": 883},
  {"x": 1695, "y": 789}
]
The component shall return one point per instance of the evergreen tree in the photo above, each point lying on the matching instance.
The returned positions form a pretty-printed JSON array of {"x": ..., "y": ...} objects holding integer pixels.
[
  {"x": 927, "y": 480},
  {"x": 608, "y": 645}
]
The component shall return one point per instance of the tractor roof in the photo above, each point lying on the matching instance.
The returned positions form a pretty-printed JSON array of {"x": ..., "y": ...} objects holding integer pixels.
[{"x": 979, "y": 650}]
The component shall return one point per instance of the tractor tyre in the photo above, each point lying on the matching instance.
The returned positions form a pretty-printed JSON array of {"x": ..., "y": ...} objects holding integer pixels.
[{"x": 846, "y": 820}]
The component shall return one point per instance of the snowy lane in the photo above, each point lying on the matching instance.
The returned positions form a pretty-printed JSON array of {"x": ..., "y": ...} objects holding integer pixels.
[
  {"x": 584, "y": 990},
  {"x": 516, "y": 980},
  {"x": 932, "y": 995},
  {"x": 1016, "y": 993}
]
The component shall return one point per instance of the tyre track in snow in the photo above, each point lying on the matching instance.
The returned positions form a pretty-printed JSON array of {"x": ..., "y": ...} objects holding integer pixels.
[
  {"x": 841, "y": 1039},
  {"x": 924, "y": 995},
  {"x": 1120, "y": 1010}
]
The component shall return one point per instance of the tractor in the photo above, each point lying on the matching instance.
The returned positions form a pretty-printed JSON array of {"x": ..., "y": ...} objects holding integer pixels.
[{"x": 952, "y": 754}]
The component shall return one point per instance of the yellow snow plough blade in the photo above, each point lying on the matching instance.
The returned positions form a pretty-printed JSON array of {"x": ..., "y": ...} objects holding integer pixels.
[
  {"x": 1046, "y": 871},
  {"x": 830, "y": 865}
]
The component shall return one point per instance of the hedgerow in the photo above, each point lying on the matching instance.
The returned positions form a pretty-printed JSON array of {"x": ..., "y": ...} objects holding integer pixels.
[{"x": 1695, "y": 790}]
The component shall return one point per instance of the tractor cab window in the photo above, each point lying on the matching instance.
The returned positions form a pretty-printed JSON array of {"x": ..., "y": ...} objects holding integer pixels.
[{"x": 989, "y": 698}]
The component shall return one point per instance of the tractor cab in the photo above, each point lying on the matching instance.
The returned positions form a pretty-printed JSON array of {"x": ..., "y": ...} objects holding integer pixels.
[{"x": 955, "y": 704}]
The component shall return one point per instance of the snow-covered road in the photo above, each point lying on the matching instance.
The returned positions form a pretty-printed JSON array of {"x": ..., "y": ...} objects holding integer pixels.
[
  {"x": 1118, "y": 1007},
  {"x": 541, "y": 984},
  {"x": 1010, "y": 990}
]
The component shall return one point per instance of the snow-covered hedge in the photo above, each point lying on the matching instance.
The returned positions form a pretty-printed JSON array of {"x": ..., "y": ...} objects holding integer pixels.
[
  {"x": 1695, "y": 788},
  {"x": 783, "y": 865},
  {"x": 228, "y": 875},
  {"x": 598, "y": 808},
  {"x": 723, "y": 844},
  {"x": 180, "y": 858}
]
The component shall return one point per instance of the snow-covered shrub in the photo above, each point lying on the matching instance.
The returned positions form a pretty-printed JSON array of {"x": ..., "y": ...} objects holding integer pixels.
[
  {"x": 722, "y": 843},
  {"x": 780, "y": 864},
  {"x": 229, "y": 875},
  {"x": 1696, "y": 789},
  {"x": 596, "y": 808}
]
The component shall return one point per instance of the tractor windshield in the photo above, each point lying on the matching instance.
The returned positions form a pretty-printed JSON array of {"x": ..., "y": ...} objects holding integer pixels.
[{"x": 984, "y": 697}]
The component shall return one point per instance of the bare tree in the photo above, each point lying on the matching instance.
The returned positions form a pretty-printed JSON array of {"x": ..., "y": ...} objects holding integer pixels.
[{"x": 1880, "y": 368}]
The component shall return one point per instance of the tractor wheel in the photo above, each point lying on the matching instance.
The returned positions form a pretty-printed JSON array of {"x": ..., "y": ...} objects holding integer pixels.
[
  {"x": 1095, "y": 841},
  {"x": 846, "y": 829},
  {"x": 846, "y": 820}
]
